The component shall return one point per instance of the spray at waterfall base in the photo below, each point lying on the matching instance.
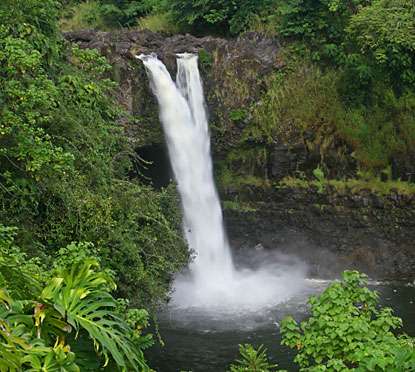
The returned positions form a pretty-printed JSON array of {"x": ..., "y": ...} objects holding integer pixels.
[{"x": 212, "y": 280}]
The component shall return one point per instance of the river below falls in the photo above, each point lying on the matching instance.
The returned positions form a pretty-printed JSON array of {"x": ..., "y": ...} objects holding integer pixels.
[{"x": 200, "y": 341}]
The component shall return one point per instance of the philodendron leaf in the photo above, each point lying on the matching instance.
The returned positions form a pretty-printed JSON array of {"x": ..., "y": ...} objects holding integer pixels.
[{"x": 81, "y": 295}]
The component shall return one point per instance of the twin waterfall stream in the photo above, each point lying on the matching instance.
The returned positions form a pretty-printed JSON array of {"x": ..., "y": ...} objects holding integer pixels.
[{"x": 212, "y": 280}]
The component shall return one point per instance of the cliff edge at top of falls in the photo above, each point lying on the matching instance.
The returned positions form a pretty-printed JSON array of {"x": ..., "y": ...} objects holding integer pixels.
[
  {"x": 127, "y": 44},
  {"x": 233, "y": 73}
]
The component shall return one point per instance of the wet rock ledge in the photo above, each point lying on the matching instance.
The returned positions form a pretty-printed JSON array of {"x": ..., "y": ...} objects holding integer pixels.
[{"x": 331, "y": 231}]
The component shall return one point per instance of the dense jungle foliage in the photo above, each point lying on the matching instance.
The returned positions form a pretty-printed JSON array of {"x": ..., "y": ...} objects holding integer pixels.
[
  {"x": 74, "y": 221},
  {"x": 64, "y": 161}
]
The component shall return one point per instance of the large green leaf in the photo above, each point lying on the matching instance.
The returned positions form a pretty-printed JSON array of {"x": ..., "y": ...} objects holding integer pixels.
[{"x": 81, "y": 296}]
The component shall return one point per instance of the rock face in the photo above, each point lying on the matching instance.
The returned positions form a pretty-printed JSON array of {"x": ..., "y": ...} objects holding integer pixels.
[
  {"x": 127, "y": 44},
  {"x": 330, "y": 231}
]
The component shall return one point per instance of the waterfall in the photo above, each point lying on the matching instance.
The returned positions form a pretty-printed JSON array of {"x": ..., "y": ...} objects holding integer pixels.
[
  {"x": 213, "y": 280},
  {"x": 184, "y": 119}
]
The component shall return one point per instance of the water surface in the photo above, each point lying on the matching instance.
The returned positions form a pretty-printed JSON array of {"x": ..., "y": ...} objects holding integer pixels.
[{"x": 208, "y": 342}]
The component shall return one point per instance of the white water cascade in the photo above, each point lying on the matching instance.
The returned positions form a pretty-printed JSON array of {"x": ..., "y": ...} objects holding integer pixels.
[{"x": 213, "y": 280}]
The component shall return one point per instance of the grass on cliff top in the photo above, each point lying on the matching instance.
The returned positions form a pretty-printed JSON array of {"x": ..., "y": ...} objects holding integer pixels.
[
  {"x": 91, "y": 15},
  {"x": 353, "y": 185},
  {"x": 83, "y": 16},
  {"x": 160, "y": 22}
]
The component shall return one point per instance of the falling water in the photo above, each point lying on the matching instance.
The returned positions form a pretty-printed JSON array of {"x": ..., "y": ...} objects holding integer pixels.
[
  {"x": 213, "y": 279},
  {"x": 184, "y": 121}
]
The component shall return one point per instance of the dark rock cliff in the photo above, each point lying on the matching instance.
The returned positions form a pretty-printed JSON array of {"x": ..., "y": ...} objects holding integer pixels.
[{"x": 330, "y": 231}]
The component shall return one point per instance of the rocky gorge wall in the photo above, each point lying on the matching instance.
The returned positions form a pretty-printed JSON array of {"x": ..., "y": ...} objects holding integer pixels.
[{"x": 331, "y": 231}]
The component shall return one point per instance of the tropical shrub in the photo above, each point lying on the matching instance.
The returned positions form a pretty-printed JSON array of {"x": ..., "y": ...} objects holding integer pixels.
[
  {"x": 106, "y": 14},
  {"x": 372, "y": 40},
  {"x": 159, "y": 22},
  {"x": 319, "y": 25},
  {"x": 253, "y": 360},
  {"x": 82, "y": 16},
  {"x": 127, "y": 12},
  {"x": 47, "y": 319},
  {"x": 296, "y": 101},
  {"x": 383, "y": 133},
  {"x": 384, "y": 34},
  {"x": 21, "y": 275},
  {"x": 349, "y": 331}
]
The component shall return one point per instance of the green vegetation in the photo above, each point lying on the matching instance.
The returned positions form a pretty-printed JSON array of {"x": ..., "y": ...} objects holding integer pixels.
[
  {"x": 83, "y": 16},
  {"x": 374, "y": 39},
  {"x": 159, "y": 22},
  {"x": 384, "y": 35},
  {"x": 49, "y": 317},
  {"x": 125, "y": 13},
  {"x": 112, "y": 14},
  {"x": 297, "y": 103},
  {"x": 363, "y": 182},
  {"x": 238, "y": 206},
  {"x": 64, "y": 160},
  {"x": 230, "y": 181},
  {"x": 252, "y": 360},
  {"x": 106, "y": 14},
  {"x": 346, "y": 331},
  {"x": 226, "y": 17},
  {"x": 201, "y": 17}
]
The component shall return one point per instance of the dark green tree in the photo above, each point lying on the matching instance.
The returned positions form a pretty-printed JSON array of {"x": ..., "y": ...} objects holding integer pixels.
[
  {"x": 217, "y": 16},
  {"x": 384, "y": 34}
]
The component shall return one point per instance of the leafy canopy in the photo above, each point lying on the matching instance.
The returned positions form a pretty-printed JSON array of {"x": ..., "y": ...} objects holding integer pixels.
[
  {"x": 384, "y": 34},
  {"x": 223, "y": 16}
]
